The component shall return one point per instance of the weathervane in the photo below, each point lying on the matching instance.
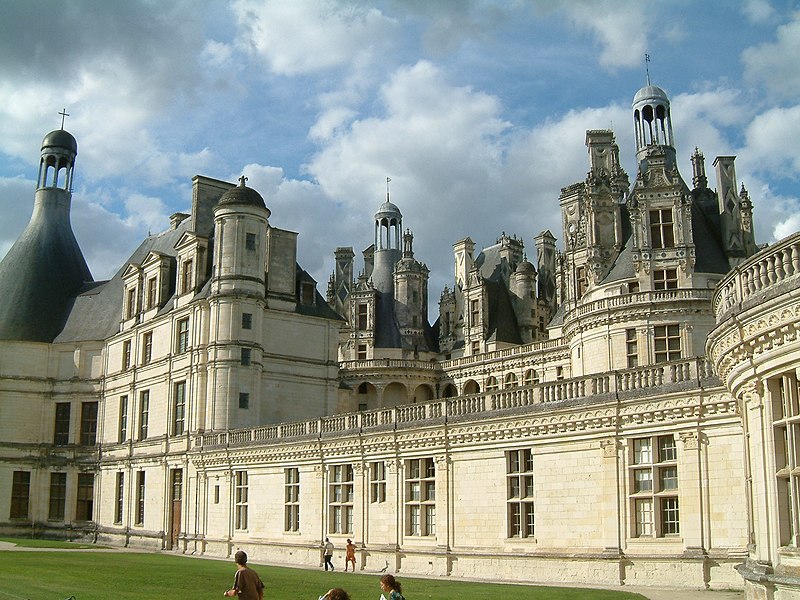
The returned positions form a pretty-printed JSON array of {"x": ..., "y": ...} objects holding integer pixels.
[
  {"x": 63, "y": 114},
  {"x": 388, "y": 179},
  {"x": 647, "y": 67}
]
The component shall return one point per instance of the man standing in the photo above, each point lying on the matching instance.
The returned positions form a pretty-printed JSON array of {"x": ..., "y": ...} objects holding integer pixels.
[
  {"x": 327, "y": 554},
  {"x": 247, "y": 585}
]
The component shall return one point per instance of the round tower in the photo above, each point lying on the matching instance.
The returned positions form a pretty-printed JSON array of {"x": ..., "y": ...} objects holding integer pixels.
[
  {"x": 237, "y": 300},
  {"x": 45, "y": 268}
]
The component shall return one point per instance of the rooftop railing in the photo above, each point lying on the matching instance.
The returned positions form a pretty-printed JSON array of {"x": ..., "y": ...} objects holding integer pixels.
[
  {"x": 766, "y": 272},
  {"x": 616, "y": 383}
]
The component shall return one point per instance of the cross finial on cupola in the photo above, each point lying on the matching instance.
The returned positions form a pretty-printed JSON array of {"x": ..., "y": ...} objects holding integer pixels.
[
  {"x": 647, "y": 67},
  {"x": 63, "y": 114},
  {"x": 242, "y": 181}
]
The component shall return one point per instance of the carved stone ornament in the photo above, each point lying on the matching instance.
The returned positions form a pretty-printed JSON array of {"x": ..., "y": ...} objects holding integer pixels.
[
  {"x": 609, "y": 447},
  {"x": 690, "y": 440},
  {"x": 319, "y": 471},
  {"x": 392, "y": 466}
]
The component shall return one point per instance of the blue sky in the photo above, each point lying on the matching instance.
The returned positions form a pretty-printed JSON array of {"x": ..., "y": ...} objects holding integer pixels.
[{"x": 477, "y": 110}]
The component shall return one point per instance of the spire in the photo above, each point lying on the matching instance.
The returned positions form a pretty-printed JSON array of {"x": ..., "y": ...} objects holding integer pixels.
[{"x": 699, "y": 179}]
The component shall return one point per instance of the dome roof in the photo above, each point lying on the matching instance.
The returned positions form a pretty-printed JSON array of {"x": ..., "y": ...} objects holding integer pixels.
[
  {"x": 525, "y": 267},
  {"x": 388, "y": 210},
  {"x": 60, "y": 138},
  {"x": 649, "y": 94},
  {"x": 243, "y": 195}
]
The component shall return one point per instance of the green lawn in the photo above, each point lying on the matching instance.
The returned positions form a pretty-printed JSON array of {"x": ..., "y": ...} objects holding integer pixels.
[
  {"x": 37, "y": 543},
  {"x": 45, "y": 575}
]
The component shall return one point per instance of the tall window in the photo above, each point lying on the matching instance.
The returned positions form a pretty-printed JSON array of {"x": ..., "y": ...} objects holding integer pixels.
[
  {"x": 20, "y": 494},
  {"x": 123, "y": 419},
  {"x": 84, "y": 504},
  {"x": 58, "y": 496},
  {"x": 784, "y": 392},
  {"x": 182, "y": 335},
  {"x": 130, "y": 303},
  {"x": 340, "y": 499},
  {"x": 88, "y": 423},
  {"x": 291, "y": 505},
  {"x": 240, "y": 499},
  {"x": 667, "y": 339},
  {"x": 247, "y": 320},
  {"x": 250, "y": 241},
  {"x": 654, "y": 487},
  {"x": 631, "y": 348},
  {"x": 147, "y": 347},
  {"x": 152, "y": 292},
  {"x": 519, "y": 484},
  {"x": 474, "y": 313},
  {"x": 245, "y": 357},
  {"x": 581, "y": 281},
  {"x": 186, "y": 276},
  {"x": 61, "y": 431},
  {"x": 144, "y": 413},
  {"x": 661, "y": 234},
  {"x": 244, "y": 400},
  {"x": 377, "y": 481},
  {"x": 119, "y": 496},
  {"x": 361, "y": 352},
  {"x": 665, "y": 279},
  {"x": 420, "y": 497},
  {"x": 362, "y": 317},
  {"x": 140, "y": 497},
  {"x": 179, "y": 408},
  {"x": 126, "y": 355}
]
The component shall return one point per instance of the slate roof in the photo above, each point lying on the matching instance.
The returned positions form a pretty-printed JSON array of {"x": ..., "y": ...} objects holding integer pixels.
[{"x": 41, "y": 273}]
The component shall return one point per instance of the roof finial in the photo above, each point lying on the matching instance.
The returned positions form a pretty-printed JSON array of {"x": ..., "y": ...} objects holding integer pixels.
[
  {"x": 242, "y": 179},
  {"x": 63, "y": 114},
  {"x": 388, "y": 179},
  {"x": 647, "y": 66}
]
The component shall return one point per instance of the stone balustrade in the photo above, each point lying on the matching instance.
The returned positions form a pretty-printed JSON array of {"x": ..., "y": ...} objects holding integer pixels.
[
  {"x": 613, "y": 384},
  {"x": 763, "y": 275}
]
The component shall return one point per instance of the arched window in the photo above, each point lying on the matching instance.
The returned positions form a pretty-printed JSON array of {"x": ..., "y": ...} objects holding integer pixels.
[
  {"x": 510, "y": 380},
  {"x": 491, "y": 384}
]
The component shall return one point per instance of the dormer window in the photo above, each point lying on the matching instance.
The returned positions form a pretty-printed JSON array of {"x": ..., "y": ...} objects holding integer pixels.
[
  {"x": 130, "y": 303},
  {"x": 186, "y": 276},
  {"x": 661, "y": 233},
  {"x": 152, "y": 292},
  {"x": 307, "y": 293}
]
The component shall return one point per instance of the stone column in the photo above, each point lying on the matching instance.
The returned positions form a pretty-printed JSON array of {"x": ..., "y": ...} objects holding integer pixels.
[
  {"x": 692, "y": 491},
  {"x": 612, "y": 527},
  {"x": 444, "y": 511}
]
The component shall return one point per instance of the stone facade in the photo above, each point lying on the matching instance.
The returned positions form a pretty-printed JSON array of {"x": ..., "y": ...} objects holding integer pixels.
[{"x": 556, "y": 423}]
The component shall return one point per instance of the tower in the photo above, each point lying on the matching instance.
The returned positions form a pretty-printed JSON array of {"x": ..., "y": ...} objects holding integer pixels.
[
  {"x": 237, "y": 302},
  {"x": 45, "y": 267}
]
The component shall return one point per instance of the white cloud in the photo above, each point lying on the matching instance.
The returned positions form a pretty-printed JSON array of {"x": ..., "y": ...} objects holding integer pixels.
[
  {"x": 772, "y": 64},
  {"x": 306, "y": 36},
  {"x": 758, "y": 11},
  {"x": 621, "y": 28}
]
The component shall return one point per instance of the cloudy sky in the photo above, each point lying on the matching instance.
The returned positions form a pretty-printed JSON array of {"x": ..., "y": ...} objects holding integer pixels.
[{"x": 476, "y": 110}]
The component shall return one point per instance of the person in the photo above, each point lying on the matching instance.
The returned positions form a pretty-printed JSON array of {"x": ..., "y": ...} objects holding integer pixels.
[
  {"x": 350, "y": 555},
  {"x": 391, "y": 586},
  {"x": 247, "y": 585},
  {"x": 327, "y": 554},
  {"x": 335, "y": 594}
]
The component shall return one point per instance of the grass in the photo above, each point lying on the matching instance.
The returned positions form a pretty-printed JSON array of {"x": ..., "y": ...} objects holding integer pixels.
[
  {"x": 37, "y": 543},
  {"x": 43, "y": 575}
]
